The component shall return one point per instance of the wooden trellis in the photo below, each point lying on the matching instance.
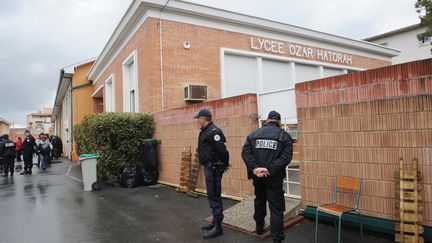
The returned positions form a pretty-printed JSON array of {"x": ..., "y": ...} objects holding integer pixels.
[
  {"x": 193, "y": 176},
  {"x": 189, "y": 173},
  {"x": 409, "y": 204},
  {"x": 185, "y": 170}
]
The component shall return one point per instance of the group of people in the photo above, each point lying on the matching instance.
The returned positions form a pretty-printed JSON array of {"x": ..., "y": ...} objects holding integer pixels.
[
  {"x": 45, "y": 147},
  {"x": 266, "y": 153}
]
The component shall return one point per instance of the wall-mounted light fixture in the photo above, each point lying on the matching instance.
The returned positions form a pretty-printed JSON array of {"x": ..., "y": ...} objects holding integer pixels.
[{"x": 186, "y": 45}]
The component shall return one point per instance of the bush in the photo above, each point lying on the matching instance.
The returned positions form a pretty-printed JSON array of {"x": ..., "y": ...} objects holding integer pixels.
[{"x": 116, "y": 137}]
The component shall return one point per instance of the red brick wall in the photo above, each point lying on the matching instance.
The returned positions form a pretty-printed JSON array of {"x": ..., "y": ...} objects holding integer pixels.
[
  {"x": 146, "y": 43},
  {"x": 177, "y": 129},
  {"x": 359, "y": 125}
]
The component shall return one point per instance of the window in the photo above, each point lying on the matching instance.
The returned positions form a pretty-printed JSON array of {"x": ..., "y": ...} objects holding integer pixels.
[
  {"x": 240, "y": 75},
  {"x": 277, "y": 75},
  {"x": 110, "y": 94},
  {"x": 130, "y": 98},
  {"x": 306, "y": 72},
  {"x": 328, "y": 72},
  {"x": 292, "y": 182},
  {"x": 292, "y": 129}
]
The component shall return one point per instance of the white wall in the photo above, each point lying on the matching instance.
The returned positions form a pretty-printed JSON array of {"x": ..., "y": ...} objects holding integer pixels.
[{"x": 407, "y": 42}]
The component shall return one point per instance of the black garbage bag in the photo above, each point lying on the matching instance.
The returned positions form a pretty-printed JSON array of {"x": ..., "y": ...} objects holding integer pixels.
[
  {"x": 151, "y": 176},
  {"x": 149, "y": 153},
  {"x": 132, "y": 176}
]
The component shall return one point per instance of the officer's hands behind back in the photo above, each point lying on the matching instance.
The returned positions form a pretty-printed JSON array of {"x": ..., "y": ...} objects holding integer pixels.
[{"x": 261, "y": 172}]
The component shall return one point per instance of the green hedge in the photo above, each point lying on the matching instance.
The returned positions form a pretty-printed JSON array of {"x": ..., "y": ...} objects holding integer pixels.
[{"x": 116, "y": 137}]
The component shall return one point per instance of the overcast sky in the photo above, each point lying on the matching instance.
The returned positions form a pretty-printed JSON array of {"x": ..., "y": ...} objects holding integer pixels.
[{"x": 39, "y": 37}]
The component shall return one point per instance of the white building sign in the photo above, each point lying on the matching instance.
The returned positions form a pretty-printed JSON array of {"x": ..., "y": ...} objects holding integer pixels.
[{"x": 297, "y": 50}]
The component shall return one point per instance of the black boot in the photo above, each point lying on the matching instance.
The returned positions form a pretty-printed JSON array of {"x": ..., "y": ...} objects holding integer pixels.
[
  {"x": 259, "y": 229},
  {"x": 5, "y": 175},
  {"x": 24, "y": 172},
  {"x": 213, "y": 233},
  {"x": 208, "y": 226}
]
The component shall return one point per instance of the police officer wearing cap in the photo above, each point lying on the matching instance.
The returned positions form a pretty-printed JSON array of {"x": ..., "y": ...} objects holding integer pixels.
[
  {"x": 8, "y": 153},
  {"x": 214, "y": 156},
  {"x": 266, "y": 153},
  {"x": 27, "y": 147}
]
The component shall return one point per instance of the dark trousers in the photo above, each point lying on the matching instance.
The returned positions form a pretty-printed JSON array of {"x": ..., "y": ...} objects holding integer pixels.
[
  {"x": 213, "y": 178},
  {"x": 271, "y": 190},
  {"x": 45, "y": 160},
  {"x": 18, "y": 152},
  {"x": 9, "y": 164},
  {"x": 28, "y": 160}
]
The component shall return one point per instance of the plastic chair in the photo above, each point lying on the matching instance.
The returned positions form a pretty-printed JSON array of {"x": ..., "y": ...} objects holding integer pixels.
[{"x": 341, "y": 182}]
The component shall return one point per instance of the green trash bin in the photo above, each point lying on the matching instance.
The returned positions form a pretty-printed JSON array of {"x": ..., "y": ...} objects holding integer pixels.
[{"x": 88, "y": 169}]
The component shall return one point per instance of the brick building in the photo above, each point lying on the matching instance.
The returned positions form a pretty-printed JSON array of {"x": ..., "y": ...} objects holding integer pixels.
[
  {"x": 4, "y": 126},
  {"x": 154, "y": 54},
  {"x": 167, "y": 59},
  {"x": 40, "y": 121}
]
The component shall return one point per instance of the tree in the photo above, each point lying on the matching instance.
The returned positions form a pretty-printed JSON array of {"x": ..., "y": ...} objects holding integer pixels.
[{"x": 424, "y": 8}]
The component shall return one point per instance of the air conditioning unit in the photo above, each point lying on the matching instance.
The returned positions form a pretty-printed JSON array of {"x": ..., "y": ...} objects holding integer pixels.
[{"x": 195, "y": 93}]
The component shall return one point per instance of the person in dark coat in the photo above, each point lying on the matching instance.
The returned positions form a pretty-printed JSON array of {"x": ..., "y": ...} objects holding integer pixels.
[
  {"x": 266, "y": 153},
  {"x": 57, "y": 147},
  {"x": 1, "y": 158},
  {"x": 28, "y": 147},
  {"x": 214, "y": 156},
  {"x": 8, "y": 153}
]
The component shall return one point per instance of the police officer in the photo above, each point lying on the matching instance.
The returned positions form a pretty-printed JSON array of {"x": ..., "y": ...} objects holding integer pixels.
[
  {"x": 27, "y": 150},
  {"x": 214, "y": 156},
  {"x": 266, "y": 153},
  {"x": 1, "y": 158},
  {"x": 7, "y": 152}
]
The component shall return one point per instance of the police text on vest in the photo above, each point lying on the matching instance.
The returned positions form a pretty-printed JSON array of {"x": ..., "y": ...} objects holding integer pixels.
[{"x": 266, "y": 144}]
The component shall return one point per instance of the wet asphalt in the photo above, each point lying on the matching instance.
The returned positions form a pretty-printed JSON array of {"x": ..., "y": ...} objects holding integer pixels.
[{"x": 51, "y": 206}]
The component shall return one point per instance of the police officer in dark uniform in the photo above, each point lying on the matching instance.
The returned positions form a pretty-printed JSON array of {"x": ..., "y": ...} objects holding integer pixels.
[
  {"x": 27, "y": 149},
  {"x": 214, "y": 156},
  {"x": 266, "y": 153},
  {"x": 1, "y": 158},
  {"x": 8, "y": 153}
]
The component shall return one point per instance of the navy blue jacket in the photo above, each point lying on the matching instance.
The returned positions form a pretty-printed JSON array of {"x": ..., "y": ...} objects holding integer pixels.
[
  {"x": 211, "y": 147},
  {"x": 269, "y": 147}
]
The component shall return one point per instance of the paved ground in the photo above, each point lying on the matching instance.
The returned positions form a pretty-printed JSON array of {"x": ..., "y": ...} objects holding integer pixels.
[{"x": 50, "y": 207}]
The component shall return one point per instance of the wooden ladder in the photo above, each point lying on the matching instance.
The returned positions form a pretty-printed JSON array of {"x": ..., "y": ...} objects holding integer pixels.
[{"x": 409, "y": 207}]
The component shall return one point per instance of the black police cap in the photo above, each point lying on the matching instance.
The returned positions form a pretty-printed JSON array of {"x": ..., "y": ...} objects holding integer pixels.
[
  {"x": 274, "y": 115},
  {"x": 204, "y": 113}
]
